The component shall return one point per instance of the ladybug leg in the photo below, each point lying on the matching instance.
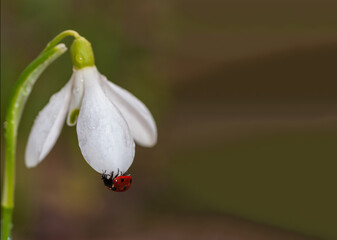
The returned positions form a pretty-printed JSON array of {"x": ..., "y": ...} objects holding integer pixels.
[{"x": 104, "y": 175}]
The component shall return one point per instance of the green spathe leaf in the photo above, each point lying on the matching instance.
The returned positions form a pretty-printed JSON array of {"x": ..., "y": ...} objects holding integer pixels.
[{"x": 28, "y": 78}]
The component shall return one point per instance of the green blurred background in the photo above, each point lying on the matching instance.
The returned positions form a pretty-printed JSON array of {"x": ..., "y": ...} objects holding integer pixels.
[{"x": 245, "y": 98}]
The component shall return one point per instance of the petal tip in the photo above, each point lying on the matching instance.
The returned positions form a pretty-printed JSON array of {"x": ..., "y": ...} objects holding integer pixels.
[
  {"x": 148, "y": 143},
  {"x": 31, "y": 164}
]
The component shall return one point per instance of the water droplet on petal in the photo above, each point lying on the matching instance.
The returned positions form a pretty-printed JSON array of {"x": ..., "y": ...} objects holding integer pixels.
[{"x": 76, "y": 90}]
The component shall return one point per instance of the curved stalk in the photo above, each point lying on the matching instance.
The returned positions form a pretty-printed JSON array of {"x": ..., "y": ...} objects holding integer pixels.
[
  {"x": 59, "y": 37},
  {"x": 17, "y": 102}
]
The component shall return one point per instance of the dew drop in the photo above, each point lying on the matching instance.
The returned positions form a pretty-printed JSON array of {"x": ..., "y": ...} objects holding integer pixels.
[
  {"x": 5, "y": 125},
  {"x": 26, "y": 90},
  {"x": 76, "y": 90},
  {"x": 79, "y": 58}
]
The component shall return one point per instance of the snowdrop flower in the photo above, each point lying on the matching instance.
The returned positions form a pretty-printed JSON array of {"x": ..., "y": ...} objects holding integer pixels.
[{"x": 108, "y": 118}]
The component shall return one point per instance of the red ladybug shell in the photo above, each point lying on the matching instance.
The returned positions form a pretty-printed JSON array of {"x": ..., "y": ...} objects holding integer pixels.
[{"x": 121, "y": 183}]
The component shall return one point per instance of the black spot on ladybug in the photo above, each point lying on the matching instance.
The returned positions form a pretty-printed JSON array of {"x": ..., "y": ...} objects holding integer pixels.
[
  {"x": 124, "y": 187},
  {"x": 122, "y": 180}
]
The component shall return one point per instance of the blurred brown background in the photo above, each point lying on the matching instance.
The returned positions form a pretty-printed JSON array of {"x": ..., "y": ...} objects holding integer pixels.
[{"x": 245, "y": 97}]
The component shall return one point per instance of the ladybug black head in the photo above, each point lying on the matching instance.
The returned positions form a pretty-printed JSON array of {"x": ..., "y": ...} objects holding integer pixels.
[{"x": 107, "y": 180}]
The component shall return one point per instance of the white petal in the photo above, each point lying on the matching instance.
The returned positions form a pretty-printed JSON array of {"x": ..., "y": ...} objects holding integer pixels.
[
  {"x": 47, "y": 126},
  {"x": 103, "y": 134},
  {"x": 141, "y": 123},
  {"x": 76, "y": 98}
]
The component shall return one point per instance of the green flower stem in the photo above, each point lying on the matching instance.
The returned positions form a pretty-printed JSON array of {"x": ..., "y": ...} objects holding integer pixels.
[{"x": 17, "y": 102}]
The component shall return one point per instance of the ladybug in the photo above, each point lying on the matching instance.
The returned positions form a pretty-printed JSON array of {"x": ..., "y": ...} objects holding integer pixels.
[{"x": 119, "y": 183}]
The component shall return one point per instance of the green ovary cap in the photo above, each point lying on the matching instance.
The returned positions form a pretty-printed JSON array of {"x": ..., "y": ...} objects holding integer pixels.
[{"x": 81, "y": 53}]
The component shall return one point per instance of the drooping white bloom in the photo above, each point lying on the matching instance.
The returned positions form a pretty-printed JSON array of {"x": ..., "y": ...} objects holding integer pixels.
[{"x": 109, "y": 119}]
